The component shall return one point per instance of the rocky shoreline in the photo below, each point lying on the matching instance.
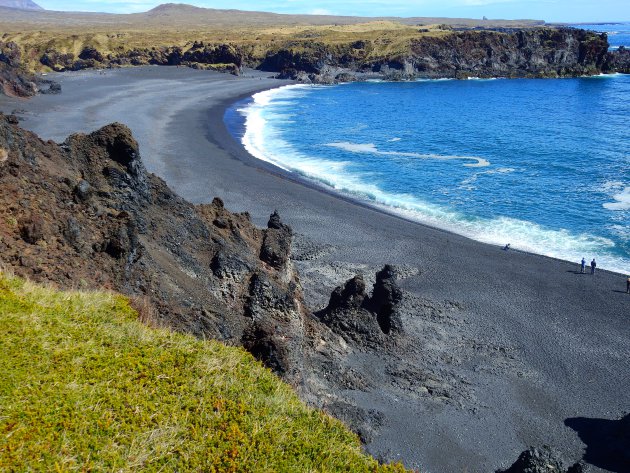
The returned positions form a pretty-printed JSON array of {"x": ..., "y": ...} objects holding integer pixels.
[
  {"x": 16, "y": 80},
  {"x": 542, "y": 52}
]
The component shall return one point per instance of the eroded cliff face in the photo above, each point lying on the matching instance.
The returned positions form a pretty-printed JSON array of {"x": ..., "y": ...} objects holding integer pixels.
[
  {"x": 87, "y": 214},
  {"x": 536, "y": 52},
  {"x": 15, "y": 81},
  {"x": 541, "y": 52},
  {"x": 219, "y": 57}
]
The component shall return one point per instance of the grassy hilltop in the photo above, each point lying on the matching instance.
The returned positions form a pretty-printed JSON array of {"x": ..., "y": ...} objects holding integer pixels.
[{"x": 87, "y": 387}]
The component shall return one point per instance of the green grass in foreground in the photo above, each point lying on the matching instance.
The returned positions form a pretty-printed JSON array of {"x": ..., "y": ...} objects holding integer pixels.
[{"x": 86, "y": 387}]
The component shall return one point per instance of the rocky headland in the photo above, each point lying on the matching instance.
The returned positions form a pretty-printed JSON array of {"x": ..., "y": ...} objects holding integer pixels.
[
  {"x": 15, "y": 79},
  {"x": 388, "y": 51},
  {"x": 538, "y": 52}
]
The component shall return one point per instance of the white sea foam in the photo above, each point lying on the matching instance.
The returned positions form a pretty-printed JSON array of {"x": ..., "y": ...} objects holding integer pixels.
[
  {"x": 608, "y": 185},
  {"x": 372, "y": 149},
  {"x": 622, "y": 200},
  {"x": 264, "y": 142},
  {"x": 394, "y": 140},
  {"x": 467, "y": 183},
  {"x": 442, "y": 79}
]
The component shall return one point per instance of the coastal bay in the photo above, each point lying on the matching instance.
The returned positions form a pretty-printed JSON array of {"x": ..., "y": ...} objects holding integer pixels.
[{"x": 534, "y": 343}]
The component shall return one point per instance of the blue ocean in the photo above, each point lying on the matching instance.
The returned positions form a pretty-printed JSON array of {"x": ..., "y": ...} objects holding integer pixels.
[{"x": 541, "y": 164}]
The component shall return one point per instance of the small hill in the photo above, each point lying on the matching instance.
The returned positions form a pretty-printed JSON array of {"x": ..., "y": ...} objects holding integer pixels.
[
  {"x": 20, "y": 4},
  {"x": 178, "y": 15},
  {"x": 86, "y": 386}
]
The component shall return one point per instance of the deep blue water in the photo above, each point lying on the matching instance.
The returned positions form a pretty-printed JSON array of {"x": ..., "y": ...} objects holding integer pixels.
[
  {"x": 618, "y": 33},
  {"x": 541, "y": 164}
]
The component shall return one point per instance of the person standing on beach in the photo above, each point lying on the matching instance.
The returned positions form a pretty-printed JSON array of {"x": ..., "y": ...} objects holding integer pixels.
[
  {"x": 628, "y": 285},
  {"x": 583, "y": 266},
  {"x": 593, "y": 266}
]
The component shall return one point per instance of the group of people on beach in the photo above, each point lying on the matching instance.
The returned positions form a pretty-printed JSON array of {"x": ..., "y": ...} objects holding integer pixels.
[
  {"x": 594, "y": 265},
  {"x": 583, "y": 266}
]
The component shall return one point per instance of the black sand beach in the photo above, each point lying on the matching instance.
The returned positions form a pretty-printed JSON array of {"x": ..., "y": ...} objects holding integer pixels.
[{"x": 524, "y": 341}]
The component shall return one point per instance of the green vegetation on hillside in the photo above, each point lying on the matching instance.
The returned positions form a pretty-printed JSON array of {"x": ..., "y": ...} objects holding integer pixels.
[
  {"x": 384, "y": 38},
  {"x": 87, "y": 387}
]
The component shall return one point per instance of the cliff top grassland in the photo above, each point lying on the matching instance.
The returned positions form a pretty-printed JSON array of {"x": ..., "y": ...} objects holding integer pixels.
[
  {"x": 87, "y": 386},
  {"x": 181, "y": 25},
  {"x": 388, "y": 37}
]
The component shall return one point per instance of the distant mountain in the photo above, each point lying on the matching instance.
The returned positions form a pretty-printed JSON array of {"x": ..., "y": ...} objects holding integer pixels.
[
  {"x": 178, "y": 15},
  {"x": 20, "y": 4}
]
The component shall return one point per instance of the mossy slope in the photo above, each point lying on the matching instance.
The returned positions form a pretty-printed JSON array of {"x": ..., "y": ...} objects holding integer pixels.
[{"x": 86, "y": 387}]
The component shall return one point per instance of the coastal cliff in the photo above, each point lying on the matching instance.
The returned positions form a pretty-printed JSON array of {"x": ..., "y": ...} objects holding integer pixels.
[
  {"x": 15, "y": 79},
  {"x": 389, "y": 54},
  {"x": 87, "y": 214},
  {"x": 541, "y": 52},
  {"x": 538, "y": 52}
]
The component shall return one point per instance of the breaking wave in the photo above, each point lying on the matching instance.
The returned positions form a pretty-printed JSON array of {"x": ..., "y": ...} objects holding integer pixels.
[{"x": 264, "y": 136}]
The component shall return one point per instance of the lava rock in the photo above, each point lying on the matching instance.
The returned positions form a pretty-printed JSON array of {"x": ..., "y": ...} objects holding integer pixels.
[
  {"x": 536, "y": 460},
  {"x": 83, "y": 190},
  {"x": 276, "y": 247},
  {"x": 32, "y": 229}
]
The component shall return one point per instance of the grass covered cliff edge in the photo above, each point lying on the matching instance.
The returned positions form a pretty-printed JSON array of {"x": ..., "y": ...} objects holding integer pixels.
[{"x": 86, "y": 386}]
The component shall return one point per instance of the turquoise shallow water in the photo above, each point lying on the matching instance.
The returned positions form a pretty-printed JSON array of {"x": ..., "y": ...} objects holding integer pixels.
[{"x": 541, "y": 164}]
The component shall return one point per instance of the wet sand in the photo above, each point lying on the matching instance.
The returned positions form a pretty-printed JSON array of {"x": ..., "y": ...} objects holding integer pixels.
[{"x": 529, "y": 345}]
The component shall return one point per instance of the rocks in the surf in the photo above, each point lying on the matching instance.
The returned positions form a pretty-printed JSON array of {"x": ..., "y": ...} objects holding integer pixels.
[
  {"x": 618, "y": 61},
  {"x": 361, "y": 318}
]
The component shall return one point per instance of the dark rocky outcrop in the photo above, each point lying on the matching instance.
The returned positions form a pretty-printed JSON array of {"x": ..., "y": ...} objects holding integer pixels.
[
  {"x": 606, "y": 443},
  {"x": 618, "y": 61},
  {"x": 86, "y": 213},
  {"x": 15, "y": 80},
  {"x": 538, "y": 52},
  {"x": 221, "y": 57},
  {"x": 362, "y": 319},
  {"x": 542, "y": 460},
  {"x": 276, "y": 247}
]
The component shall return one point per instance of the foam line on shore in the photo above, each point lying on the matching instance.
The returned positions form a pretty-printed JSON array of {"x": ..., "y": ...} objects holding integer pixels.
[{"x": 263, "y": 141}]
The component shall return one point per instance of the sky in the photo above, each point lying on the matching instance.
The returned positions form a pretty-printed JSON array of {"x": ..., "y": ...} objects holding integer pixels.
[{"x": 548, "y": 10}]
